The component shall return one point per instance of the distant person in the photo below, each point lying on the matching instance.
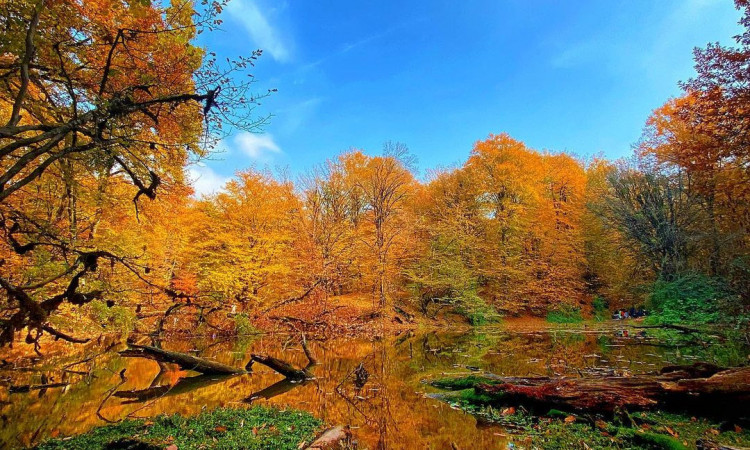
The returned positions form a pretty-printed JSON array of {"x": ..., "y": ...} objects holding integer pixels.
[{"x": 632, "y": 312}]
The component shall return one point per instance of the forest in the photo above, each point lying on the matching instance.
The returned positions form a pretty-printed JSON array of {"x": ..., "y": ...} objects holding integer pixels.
[{"x": 105, "y": 105}]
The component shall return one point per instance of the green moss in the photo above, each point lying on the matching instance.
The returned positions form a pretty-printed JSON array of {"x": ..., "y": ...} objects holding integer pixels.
[
  {"x": 225, "y": 428},
  {"x": 461, "y": 383}
]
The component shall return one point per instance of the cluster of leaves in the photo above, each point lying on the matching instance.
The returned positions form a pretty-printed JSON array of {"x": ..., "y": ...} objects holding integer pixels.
[
  {"x": 254, "y": 428},
  {"x": 119, "y": 318}
]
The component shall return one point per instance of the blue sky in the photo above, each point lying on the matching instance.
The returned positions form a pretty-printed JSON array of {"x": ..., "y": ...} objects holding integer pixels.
[{"x": 577, "y": 76}]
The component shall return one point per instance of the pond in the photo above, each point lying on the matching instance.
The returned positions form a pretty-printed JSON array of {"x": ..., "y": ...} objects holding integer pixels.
[{"x": 375, "y": 386}]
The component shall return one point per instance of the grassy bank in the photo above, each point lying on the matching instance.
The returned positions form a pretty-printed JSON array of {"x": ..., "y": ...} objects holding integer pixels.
[{"x": 225, "y": 428}]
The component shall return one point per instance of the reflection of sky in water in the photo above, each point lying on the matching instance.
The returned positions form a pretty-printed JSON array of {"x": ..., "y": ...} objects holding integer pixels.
[{"x": 391, "y": 406}]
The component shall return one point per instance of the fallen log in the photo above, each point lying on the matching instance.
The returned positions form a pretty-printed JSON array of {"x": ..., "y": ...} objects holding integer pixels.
[
  {"x": 282, "y": 367},
  {"x": 702, "y": 388},
  {"x": 185, "y": 361},
  {"x": 332, "y": 438},
  {"x": 34, "y": 387}
]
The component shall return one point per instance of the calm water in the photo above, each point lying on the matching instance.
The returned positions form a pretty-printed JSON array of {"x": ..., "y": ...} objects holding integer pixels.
[{"x": 391, "y": 410}]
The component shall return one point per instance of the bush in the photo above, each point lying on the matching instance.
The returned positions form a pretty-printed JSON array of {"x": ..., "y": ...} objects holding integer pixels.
[
  {"x": 243, "y": 326},
  {"x": 691, "y": 298},
  {"x": 601, "y": 309},
  {"x": 565, "y": 314}
]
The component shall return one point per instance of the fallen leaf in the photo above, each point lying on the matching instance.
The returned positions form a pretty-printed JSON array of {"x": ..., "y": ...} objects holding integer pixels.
[
  {"x": 714, "y": 431},
  {"x": 221, "y": 429},
  {"x": 55, "y": 433},
  {"x": 255, "y": 431},
  {"x": 171, "y": 447},
  {"x": 508, "y": 411},
  {"x": 671, "y": 432},
  {"x": 570, "y": 419},
  {"x": 737, "y": 429}
]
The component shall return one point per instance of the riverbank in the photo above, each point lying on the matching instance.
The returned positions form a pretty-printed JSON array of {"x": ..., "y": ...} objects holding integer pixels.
[{"x": 228, "y": 428}]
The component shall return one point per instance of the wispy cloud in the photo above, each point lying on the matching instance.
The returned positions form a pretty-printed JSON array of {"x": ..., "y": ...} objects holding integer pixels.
[
  {"x": 257, "y": 21},
  {"x": 349, "y": 46},
  {"x": 259, "y": 147},
  {"x": 205, "y": 181}
]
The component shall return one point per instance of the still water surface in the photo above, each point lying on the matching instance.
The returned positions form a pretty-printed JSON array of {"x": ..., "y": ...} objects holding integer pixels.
[{"x": 392, "y": 409}]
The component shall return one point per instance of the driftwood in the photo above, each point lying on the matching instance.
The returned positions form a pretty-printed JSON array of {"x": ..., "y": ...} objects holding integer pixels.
[
  {"x": 283, "y": 367},
  {"x": 185, "y": 361},
  {"x": 332, "y": 438},
  {"x": 701, "y": 388},
  {"x": 209, "y": 367}
]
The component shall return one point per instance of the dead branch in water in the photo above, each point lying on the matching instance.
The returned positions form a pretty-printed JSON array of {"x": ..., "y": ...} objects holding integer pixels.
[{"x": 185, "y": 361}]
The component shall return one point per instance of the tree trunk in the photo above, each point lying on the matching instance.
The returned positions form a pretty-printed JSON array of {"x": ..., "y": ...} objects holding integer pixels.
[
  {"x": 701, "y": 388},
  {"x": 282, "y": 367},
  {"x": 185, "y": 361}
]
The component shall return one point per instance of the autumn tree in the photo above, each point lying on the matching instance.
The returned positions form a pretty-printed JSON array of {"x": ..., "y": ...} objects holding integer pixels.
[
  {"x": 385, "y": 184},
  {"x": 452, "y": 247},
  {"x": 244, "y": 243},
  {"x": 705, "y": 135},
  {"x": 99, "y": 100}
]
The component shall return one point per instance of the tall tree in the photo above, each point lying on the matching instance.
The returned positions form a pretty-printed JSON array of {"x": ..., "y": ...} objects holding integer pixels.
[{"x": 94, "y": 96}]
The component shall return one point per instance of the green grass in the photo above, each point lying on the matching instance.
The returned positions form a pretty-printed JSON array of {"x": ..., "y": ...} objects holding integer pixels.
[
  {"x": 565, "y": 315},
  {"x": 225, "y": 428}
]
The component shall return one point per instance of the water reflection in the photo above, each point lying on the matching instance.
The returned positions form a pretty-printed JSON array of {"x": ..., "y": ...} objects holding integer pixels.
[{"x": 374, "y": 386}]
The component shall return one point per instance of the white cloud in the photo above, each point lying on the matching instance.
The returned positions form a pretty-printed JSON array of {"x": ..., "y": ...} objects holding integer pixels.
[
  {"x": 261, "y": 29},
  {"x": 257, "y": 146},
  {"x": 205, "y": 180}
]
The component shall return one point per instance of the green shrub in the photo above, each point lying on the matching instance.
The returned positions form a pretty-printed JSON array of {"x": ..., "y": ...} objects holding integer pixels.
[
  {"x": 243, "y": 326},
  {"x": 691, "y": 298},
  {"x": 601, "y": 308},
  {"x": 565, "y": 314}
]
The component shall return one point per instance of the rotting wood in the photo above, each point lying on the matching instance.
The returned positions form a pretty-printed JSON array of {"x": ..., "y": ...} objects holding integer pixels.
[
  {"x": 336, "y": 437},
  {"x": 702, "y": 388}
]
